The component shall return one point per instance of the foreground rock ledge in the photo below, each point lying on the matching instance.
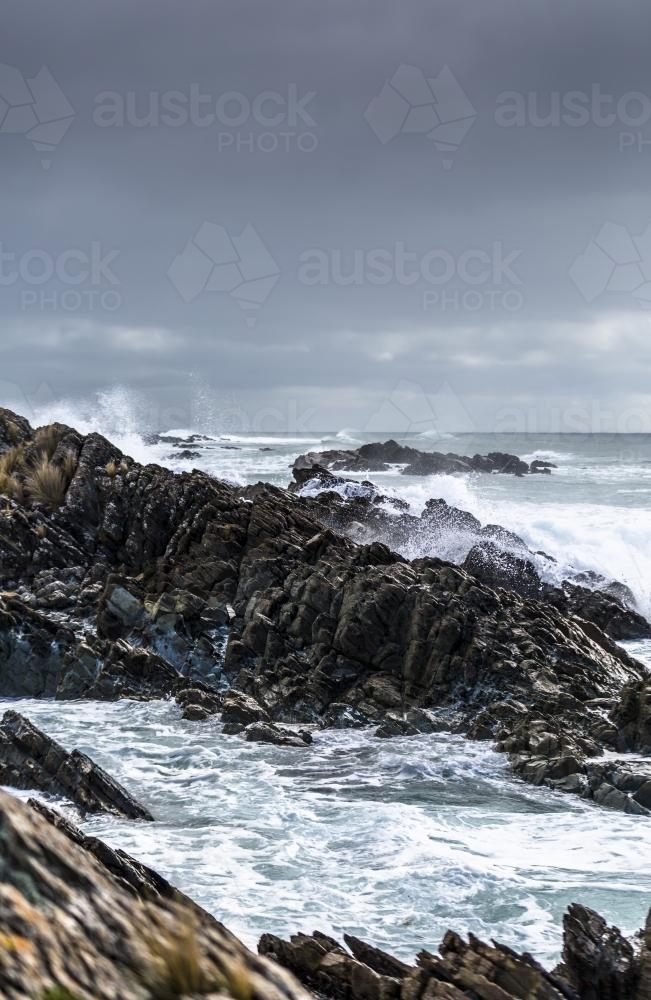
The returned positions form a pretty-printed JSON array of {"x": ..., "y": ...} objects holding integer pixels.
[
  {"x": 81, "y": 921},
  {"x": 69, "y": 923}
]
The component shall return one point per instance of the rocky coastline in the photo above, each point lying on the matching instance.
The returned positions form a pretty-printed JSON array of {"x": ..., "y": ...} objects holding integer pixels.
[{"x": 276, "y": 607}]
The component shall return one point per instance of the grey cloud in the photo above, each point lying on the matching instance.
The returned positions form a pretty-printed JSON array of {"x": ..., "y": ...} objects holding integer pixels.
[{"x": 543, "y": 193}]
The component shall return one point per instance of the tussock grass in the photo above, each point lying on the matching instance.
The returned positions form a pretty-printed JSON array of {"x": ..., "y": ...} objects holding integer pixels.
[
  {"x": 46, "y": 483},
  {"x": 11, "y": 487},
  {"x": 112, "y": 469},
  {"x": 12, "y": 460},
  {"x": 177, "y": 969},
  {"x": 30, "y": 474},
  {"x": 69, "y": 465},
  {"x": 47, "y": 439}
]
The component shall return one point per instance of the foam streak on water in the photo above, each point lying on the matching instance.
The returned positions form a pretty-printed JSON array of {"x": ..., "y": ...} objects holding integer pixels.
[{"x": 394, "y": 841}]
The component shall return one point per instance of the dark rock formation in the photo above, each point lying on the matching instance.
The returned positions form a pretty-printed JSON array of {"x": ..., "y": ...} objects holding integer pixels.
[
  {"x": 598, "y": 964},
  {"x": 496, "y": 556},
  {"x": 78, "y": 920},
  {"x": 267, "y": 732},
  {"x": 141, "y": 583},
  {"x": 30, "y": 759},
  {"x": 378, "y": 457},
  {"x": 198, "y": 703},
  {"x": 631, "y": 715}
]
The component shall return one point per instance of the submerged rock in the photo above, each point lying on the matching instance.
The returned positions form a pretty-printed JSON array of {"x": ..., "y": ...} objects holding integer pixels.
[
  {"x": 30, "y": 759},
  {"x": 266, "y": 732}
]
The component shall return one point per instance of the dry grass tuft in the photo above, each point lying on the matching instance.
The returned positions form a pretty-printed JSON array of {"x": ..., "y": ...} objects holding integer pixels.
[
  {"x": 177, "y": 969},
  {"x": 12, "y": 460},
  {"x": 41, "y": 531},
  {"x": 11, "y": 487},
  {"x": 47, "y": 439},
  {"x": 46, "y": 483},
  {"x": 111, "y": 469}
]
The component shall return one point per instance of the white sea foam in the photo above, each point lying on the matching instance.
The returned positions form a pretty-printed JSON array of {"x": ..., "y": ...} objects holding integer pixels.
[{"x": 394, "y": 841}]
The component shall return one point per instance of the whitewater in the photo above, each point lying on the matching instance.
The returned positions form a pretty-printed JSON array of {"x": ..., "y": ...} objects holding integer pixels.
[{"x": 393, "y": 841}]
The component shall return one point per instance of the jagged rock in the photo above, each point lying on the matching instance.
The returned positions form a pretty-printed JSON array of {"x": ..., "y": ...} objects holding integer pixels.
[
  {"x": 119, "y": 610},
  {"x": 604, "y": 609},
  {"x": 598, "y": 961},
  {"x": 632, "y": 717},
  {"x": 256, "y": 588},
  {"x": 30, "y": 759},
  {"x": 498, "y": 557},
  {"x": 463, "y": 971},
  {"x": 395, "y": 726},
  {"x": 598, "y": 964},
  {"x": 498, "y": 567},
  {"x": 239, "y": 709},
  {"x": 14, "y": 429},
  {"x": 267, "y": 732},
  {"x": 80, "y": 920},
  {"x": 198, "y": 703}
]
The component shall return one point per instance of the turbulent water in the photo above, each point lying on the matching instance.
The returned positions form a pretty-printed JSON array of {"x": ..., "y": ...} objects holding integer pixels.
[{"x": 391, "y": 840}]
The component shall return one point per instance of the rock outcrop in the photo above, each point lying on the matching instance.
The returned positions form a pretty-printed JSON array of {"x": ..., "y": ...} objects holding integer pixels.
[
  {"x": 141, "y": 583},
  {"x": 81, "y": 922},
  {"x": 31, "y": 760},
  {"x": 377, "y": 457},
  {"x": 598, "y": 964},
  {"x": 494, "y": 555}
]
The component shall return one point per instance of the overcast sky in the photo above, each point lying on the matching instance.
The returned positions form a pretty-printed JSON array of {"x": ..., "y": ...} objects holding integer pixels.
[{"x": 522, "y": 290}]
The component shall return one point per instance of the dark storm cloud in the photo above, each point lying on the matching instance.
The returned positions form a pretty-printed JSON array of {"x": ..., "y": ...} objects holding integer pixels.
[{"x": 377, "y": 262}]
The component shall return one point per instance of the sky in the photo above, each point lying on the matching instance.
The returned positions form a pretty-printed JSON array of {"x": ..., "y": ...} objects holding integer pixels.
[{"x": 325, "y": 214}]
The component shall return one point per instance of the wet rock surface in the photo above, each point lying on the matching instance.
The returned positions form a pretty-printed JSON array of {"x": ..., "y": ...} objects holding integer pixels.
[
  {"x": 496, "y": 556},
  {"x": 30, "y": 759},
  {"x": 377, "y": 457},
  {"x": 598, "y": 964},
  {"x": 144, "y": 584}
]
